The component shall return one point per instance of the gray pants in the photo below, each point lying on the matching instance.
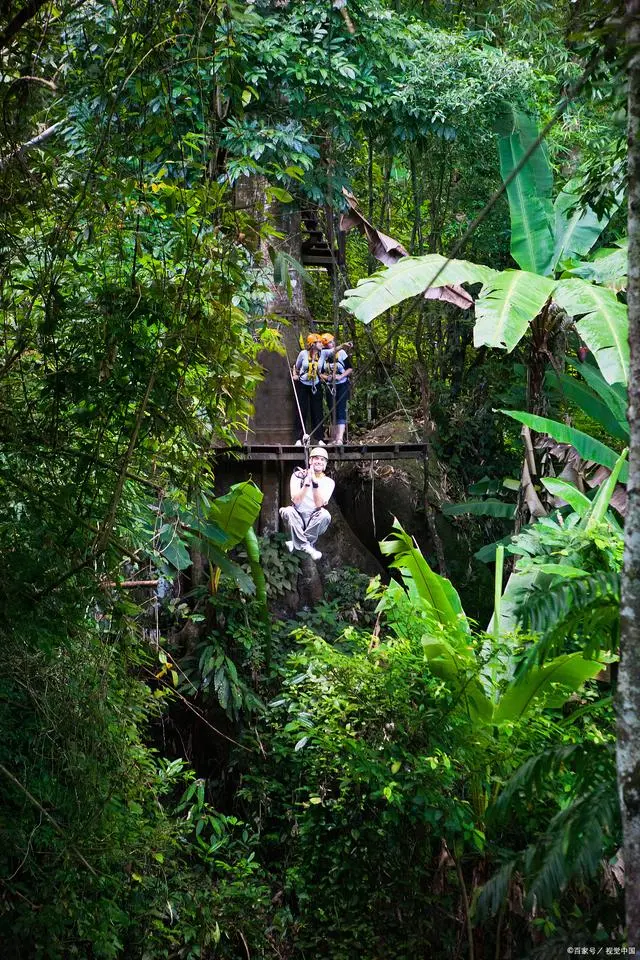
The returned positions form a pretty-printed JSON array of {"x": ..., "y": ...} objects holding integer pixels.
[{"x": 305, "y": 531}]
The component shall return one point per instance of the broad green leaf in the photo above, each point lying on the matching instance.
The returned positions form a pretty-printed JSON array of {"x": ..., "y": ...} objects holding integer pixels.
[
  {"x": 561, "y": 570},
  {"x": 510, "y": 483},
  {"x": 576, "y": 228},
  {"x": 237, "y": 511},
  {"x": 445, "y": 661},
  {"x": 453, "y": 665},
  {"x": 484, "y": 486},
  {"x": 507, "y": 304},
  {"x": 609, "y": 267},
  {"x": 587, "y": 447},
  {"x": 278, "y": 193},
  {"x": 614, "y": 395},
  {"x": 479, "y": 705},
  {"x": 481, "y": 508},
  {"x": 547, "y": 686},
  {"x": 420, "y": 580},
  {"x": 176, "y": 553},
  {"x": 519, "y": 583},
  {"x": 230, "y": 569},
  {"x": 603, "y": 327},
  {"x": 529, "y": 196},
  {"x": 410, "y": 277},
  {"x": 487, "y": 554},
  {"x": 602, "y": 500},
  {"x": 588, "y": 400},
  {"x": 578, "y": 502}
]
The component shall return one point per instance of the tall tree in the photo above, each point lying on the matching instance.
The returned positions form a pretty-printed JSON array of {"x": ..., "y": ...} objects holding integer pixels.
[{"x": 629, "y": 677}]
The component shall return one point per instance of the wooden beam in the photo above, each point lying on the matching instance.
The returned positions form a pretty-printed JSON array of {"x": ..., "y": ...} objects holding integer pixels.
[{"x": 256, "y": 453}]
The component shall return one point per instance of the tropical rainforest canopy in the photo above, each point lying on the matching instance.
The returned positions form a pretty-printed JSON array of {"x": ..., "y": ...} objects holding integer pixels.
[{"x": 195, "y": 762}]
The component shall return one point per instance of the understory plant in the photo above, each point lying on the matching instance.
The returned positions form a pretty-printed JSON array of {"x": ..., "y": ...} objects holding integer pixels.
[
  {"x": 383, "y": 754},
  {"x": 109, "y": 850},
  {"x": 565, "y": 593}
]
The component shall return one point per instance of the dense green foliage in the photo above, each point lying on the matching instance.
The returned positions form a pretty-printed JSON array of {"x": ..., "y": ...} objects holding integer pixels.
[{"x": 189, "y": 766}]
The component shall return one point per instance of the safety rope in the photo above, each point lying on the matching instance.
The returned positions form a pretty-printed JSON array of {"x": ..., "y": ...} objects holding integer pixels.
[
  {"x": 305, "y": 436},
  {"x": 373, "y": 502}
]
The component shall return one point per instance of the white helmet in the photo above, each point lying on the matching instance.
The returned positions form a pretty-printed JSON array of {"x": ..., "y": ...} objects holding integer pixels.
[{"x": 319, "y": 452}]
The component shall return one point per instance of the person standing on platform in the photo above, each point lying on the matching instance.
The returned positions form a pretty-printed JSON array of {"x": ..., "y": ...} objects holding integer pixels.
[
  {"x": 335, "y": 373},
  {"x": 308, "y": 386},
  {"x": 307, "y": 518}
]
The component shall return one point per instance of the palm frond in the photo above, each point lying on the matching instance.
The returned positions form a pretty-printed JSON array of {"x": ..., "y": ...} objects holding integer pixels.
[
  {"x": 572, "y": 848},
  {"x": 576, "y": 841},
  {"x": 586, "y": 607},
  {"x": 531, "y": 775},
  {"x": 591, "y": 764},
  {"x": 495, "y": 891}
]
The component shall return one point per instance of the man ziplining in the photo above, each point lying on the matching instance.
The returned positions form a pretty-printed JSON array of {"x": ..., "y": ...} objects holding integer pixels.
[{"x": 307, "y": 518}]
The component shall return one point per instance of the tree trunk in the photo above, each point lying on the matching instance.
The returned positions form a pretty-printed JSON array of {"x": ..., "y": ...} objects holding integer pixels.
[{"x": 628, "y": 702}]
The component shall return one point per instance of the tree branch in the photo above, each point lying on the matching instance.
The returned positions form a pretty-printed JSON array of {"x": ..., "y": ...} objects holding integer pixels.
[
  {"x": 27, "y": 13},
  {"x": 30, "y": 144},
  {"x": 53, "y": 822}
]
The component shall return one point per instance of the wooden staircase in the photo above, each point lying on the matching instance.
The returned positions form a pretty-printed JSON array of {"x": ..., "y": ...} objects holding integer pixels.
[{"x": 321, "y": 245}]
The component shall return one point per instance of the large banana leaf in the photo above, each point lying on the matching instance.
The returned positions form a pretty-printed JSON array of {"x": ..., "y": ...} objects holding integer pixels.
[
  {"x": 253, "y": 554},
  {"x": 518, "y": 584},
  {"x": 603, "y": 327},
  {"x": 576, "y": 228},
  {"x": 409, "y": 277},
  {"x": 507, "y": 304},
  {"x": 481, "y": 508},
  {"x": 587, "y": 447},
  {"x": 455, "y": 666},
  {"x": 529, "y": 194},
  {"x": 420, "y": 580},
  {"x": 614, "y": 395},
  {"x": 237, "y": 511},
  {"x": 605, "y": 493},
  {"x": 548, "y": 686},
  {"x": 578, "y": 502},
  {"x": 588, "y": 400},
  {"x": 609, "y": 267}
]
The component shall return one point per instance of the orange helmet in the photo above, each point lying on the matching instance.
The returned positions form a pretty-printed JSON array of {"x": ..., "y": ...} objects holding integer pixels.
[
  {"x": 327, "y": 338},
  {"x": 313, "y": 338}
]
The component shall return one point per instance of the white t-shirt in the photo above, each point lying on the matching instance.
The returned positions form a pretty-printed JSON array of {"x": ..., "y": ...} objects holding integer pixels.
[{"x": 307, "y": 505}]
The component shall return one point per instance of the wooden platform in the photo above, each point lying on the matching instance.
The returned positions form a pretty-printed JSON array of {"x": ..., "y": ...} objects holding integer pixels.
[{"x": 349, "y": 451}]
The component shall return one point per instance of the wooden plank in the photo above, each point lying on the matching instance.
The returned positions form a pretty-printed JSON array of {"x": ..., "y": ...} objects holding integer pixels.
[{"x": 383, "y": 451}]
